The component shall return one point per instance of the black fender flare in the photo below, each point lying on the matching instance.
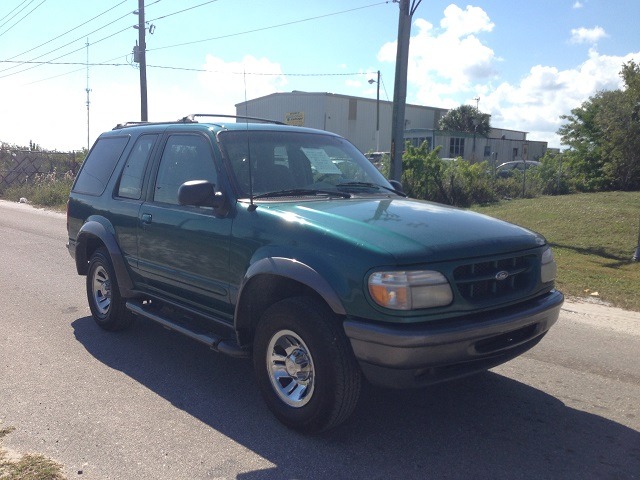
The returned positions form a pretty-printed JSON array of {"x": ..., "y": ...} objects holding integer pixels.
[
  {"x": 289, "y": 269},
  {"x": 96, "y": 230}
]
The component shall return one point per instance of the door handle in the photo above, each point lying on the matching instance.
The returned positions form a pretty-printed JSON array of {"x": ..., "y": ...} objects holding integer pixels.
[{"x": 146, "y": 218}]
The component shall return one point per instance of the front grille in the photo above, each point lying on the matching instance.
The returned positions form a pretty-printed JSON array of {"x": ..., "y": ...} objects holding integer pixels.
[{"x": 482, "y": 281}]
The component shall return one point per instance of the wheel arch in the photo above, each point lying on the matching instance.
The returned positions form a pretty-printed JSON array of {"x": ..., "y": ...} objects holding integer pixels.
[
  {"x": 270, "y": 280},
  {"x": 93, "y": 235}
]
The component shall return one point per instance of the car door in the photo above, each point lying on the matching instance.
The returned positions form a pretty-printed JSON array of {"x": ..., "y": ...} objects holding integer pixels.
[
  {"x": 183, "y": 251},
  {"x": 128, "y": 197}
]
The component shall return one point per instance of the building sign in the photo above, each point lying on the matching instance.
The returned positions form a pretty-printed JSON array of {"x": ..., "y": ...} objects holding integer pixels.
[{"x": 294, "y": 118}]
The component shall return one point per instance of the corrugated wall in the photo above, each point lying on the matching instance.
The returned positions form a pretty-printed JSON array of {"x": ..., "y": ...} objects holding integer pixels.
[
  {"x": 355, "y": 119},
  {"x": 352, "y": 117}
]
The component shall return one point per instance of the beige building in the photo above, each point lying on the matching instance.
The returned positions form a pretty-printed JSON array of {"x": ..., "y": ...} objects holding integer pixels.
[{"x": 355, "y": 118}]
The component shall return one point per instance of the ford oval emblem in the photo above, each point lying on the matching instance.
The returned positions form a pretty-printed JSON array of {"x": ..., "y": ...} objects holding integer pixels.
[{"x": 502, "y": 275}]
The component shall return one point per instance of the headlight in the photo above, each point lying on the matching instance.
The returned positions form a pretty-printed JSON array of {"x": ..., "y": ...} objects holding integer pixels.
[
  {"x": 410, "y": 290},
  {"x": 548, "y": 267}
]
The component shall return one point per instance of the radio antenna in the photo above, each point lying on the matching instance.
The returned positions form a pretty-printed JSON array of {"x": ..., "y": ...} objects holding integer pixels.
[{"x": 252, "y": 206}]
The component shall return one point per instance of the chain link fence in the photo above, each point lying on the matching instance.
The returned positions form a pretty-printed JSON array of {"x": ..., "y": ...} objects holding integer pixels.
[{"x": 22, "y": 166}]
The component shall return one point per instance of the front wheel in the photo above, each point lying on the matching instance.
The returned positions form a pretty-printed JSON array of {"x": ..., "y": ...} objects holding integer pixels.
[
  {"x": 107, "y": 306},
  {"x": 304, "y": 365}
]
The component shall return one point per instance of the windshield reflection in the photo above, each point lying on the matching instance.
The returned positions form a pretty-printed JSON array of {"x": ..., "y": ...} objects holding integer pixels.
[{"x": 265, "y": 162}]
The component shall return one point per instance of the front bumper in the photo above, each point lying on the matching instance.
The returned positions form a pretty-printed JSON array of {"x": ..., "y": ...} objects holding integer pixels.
[{"x": 403, "y": 356}]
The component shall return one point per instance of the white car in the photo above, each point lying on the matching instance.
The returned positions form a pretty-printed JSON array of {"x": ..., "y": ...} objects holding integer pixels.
[{"x": 508, "y": 168}]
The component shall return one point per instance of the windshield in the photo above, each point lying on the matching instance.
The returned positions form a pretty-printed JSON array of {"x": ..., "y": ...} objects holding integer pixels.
[{"x": 295, "y": 162}]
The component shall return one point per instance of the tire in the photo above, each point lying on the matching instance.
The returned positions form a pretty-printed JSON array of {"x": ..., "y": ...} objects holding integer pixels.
[
  {"x": 304, "y": 365},
  {"x": 107, "y": 306}
]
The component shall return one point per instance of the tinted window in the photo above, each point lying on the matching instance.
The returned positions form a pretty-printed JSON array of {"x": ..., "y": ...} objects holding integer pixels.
[
  {"x": 185, "y": 157},
  {"x": 133, "y": 171},
  {"x": 281, "y": 160},
  {"x": 99, "y": 165}
]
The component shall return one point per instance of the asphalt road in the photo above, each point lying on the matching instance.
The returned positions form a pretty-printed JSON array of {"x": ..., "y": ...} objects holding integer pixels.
[{"x": 150, "y": 404}]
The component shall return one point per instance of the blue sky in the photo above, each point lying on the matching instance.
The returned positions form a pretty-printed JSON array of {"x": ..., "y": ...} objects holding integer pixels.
[{"x": 528, "y": 61}]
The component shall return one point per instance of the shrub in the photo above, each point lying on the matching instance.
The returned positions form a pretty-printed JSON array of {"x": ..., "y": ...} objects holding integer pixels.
[
  {"x": 468, "y": 183},
  {"x": 46, "y": 189},
  {"x": 426, "y": 176},
  {"x": 555, "y": 176}
]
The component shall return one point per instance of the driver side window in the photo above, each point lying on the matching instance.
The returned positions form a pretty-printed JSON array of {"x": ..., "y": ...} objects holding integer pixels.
[{"x": 185, "y": 157}]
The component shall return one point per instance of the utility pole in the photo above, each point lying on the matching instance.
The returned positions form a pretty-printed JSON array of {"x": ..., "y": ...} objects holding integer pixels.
[
  {"x": 636, "y": 254},
  {"x": 476, "y": 122},
  {"x": 635, "y": 114},
  {"x": 400, "y": 85},
  {"x": 377, "y": 111},
  {"x": 140, "y": 56}
]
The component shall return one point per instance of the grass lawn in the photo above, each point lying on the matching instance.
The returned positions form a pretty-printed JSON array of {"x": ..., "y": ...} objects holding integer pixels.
[{"x": 593, "y": 235}]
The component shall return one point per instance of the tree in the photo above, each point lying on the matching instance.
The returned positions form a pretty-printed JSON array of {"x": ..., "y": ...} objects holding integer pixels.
[
  {"x": 583, "y": 135},
  {"x": 621, "y": 140},
  {"x": 603, "y": 136},
  {"x": 631, "y": 75},
  {"x": 466, "y": 118}
]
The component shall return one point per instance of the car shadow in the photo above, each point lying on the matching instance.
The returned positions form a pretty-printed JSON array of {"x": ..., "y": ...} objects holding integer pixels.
[
  {"x": 485, "y": 426},
  {"x": 617, "y": 259}
]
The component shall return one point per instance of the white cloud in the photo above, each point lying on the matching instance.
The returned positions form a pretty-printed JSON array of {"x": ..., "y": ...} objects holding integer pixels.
[
  {"x": 536, "y": 103},
  {"x": 32, "y": 113},
  {"x": 228, "y": 83},
  {"x": 449, "y": 60},
  {"x": 578, "y": 5},
  {"x": 364, "y": 83},
  {"x": 55, "y": 117},
  {"x": 451, "y": 65},
  {"x": 587, "y": 35},
  {"x": 459, "y": 23}
]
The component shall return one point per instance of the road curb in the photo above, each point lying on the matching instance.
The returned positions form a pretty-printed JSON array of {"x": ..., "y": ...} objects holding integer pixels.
[{"x": 602, "y": 316}]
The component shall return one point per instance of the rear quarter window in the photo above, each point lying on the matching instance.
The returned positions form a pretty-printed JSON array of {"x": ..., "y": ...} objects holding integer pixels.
[
  {"x": 99, "y": 165},
  {"x": 133, "y": 172}
]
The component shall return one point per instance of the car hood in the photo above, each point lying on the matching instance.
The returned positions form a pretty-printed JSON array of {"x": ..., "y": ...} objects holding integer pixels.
[{"x": 412, "y": 231}]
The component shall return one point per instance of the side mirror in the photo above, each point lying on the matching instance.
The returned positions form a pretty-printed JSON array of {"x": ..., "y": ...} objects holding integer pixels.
[
  {"x": 396, "y": 185},
  {"x": 201, "y": 193}
]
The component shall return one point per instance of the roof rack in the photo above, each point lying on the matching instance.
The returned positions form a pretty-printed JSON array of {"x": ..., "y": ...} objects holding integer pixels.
[
  {"x": 192, "y": 119},
  {"x": 135, "y": 124}
]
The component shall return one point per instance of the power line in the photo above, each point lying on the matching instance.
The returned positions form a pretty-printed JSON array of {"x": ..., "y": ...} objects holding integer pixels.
[
  {"x": 385, "y": 89},
  {"x": 17, "y": 13},
  {"x": 203, "y": 70},
  {"x": 33, "y": 10},
  {"x": 69, "y": 63},
  {"x": 38, "y": 64},
  {"x": 68, "y": 31},
  {"x": 65, "y": 45},
  {"x": 179, "y": 11},
  {"x": 83, "y": 36},
  {"x": 14, "y": 8},
  {"x": 269, "y": 27},
  {"x": 107, "y": 63}
]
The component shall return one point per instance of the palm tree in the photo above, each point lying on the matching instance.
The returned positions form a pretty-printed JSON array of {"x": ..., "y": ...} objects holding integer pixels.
[{"x": 468, "y": 119}]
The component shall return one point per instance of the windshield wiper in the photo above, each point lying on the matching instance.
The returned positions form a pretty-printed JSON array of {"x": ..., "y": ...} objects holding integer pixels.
[
  {"x": 302, "y": 192},
  {"x": 369, "y": 185}
]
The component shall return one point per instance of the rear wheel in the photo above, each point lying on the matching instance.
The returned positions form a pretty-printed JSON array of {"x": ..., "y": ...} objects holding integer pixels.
[
  {"x": 304, "y": 365},
  {"x": 107, "y": 306}
]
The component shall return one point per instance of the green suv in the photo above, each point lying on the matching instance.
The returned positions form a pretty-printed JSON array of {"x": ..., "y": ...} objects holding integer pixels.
[{"x": 286, "y": 245}]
